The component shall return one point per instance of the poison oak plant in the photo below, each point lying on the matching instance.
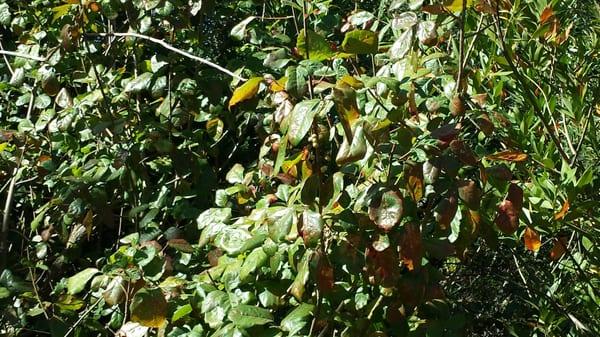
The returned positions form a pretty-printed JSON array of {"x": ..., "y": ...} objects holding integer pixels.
[{"x": 299, "y": 168}]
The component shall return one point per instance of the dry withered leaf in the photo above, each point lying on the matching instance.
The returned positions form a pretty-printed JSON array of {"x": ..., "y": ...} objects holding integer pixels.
[
  {"x": 563, "y": 211},
  {"x": 507, "y": 218},
  {"x": 411, "y": 246},
  {"x": 508, "y": 155},
  {"x": 532, "y": 239},
  {"x": 463, "y": 152},
  {"x": 470, "y": 193},
  {"x": 559, "y": 248}
]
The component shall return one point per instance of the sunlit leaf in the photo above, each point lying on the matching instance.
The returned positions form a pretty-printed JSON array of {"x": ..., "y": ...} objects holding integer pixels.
[
  {"x": 149, "y": 308},
  {"x": 563, "y": 211},
  {"x": 318, "y": 47},
  {"x": 360, "y": 42},
  {"x": 508, "y": 155},
  {"x": 532, "y": 239},
  {"x": 77, "y": 282},
  {"x": 246, "y": 91},
  {"x": 387, "y": 211}
]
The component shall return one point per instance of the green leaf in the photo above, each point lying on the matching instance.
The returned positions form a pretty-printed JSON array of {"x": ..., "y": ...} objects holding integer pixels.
[
  {"x": 456, "y": 5},
  {"x": 77, "y": 282},
  {"x": 297, "y": 318},
  {"x": 298, "y": 286},
  {"x": 239, "y": 31},
  {"x": 246, "y": 316},
  {"x": 235, "y": 174},
  {"x": 296, "y": 84},
  {"x": 402, "y": 45},
  {"x": 4, "y": 14},
  {"x": 256, "y": 259},
  {"x": 181, "y": 312},
  {"x": 4, "y": 293},
  {"x": 246, "y": 91},
  {"x": 318, "y": 47},
  {"x": 231, "y": 240},
  {"x": 281, "y": 223},
  {"x": 361, "y": 42},
  {"x": 213, "y": 216},
  {"x": 312, "y": 227},
  {"x": 149, "y": 308},
  {"x": 301, "y": 119},
  {"x": 138, "y": 84},
  {"x": 351, "y": 152}
]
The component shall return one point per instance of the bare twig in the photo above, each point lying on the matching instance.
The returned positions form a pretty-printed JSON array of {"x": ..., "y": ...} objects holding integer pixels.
[
  {"x": 10, "y": 194},
  {"x": 82, "y": 316},
  {"x": 6, "y": 60},
  {"x": 25, "y": 56},
  {"x": 173, "y": 49}
]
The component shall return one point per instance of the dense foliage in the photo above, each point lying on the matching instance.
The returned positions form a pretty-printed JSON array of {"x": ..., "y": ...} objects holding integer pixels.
[{"x": 299, "y": 168}]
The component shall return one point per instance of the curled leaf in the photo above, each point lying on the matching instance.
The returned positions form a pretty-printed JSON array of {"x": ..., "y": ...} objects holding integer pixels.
[{"x": 387, "y": 213}]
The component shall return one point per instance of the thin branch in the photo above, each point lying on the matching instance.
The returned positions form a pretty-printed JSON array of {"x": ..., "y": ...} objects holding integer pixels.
[
  {"x": 10, "y": 194},
  {"x": 25, "y": 56},
  {"x": 461, "y": 47},
  {"x": 173, "y": 49},
  {"x": 534, "y": 103},
  {"x": 585, "y": 128}
]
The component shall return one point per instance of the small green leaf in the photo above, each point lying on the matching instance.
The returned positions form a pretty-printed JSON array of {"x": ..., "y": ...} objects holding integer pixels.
[
  {"x": 301, "y": 120},
  {"x": 77, "y": 282},
  {"x": 246, "y": 316},
  {"x": 318, "y": 47},
  {"x": 361, "y": 42},
  {"x": 246, "y": 91},
  {"x": 297, "y": 319},
  {"x": 181, "y": 312}
]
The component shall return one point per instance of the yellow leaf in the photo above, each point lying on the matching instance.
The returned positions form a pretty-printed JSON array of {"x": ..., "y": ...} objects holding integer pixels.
[
  {"x": 532, "y": 239},
  {"x": 246, "y": 91},
  {"x": 508, "y": 155},
  {"x": 456, "y": 5},
  {"x": 60, "y": 11}
]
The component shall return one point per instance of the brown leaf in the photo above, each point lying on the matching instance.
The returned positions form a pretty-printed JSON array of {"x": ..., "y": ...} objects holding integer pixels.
[
  {"x": 499, "y": 172},
  {"x": 531, "y": 239},
  {"x": 559, "y": 248},
  {"x": 546, "y": 15},
  {"x": 387, "y": 211},
  {"x": 411, "y": 246},
  {"x": 445, "y": 212},
  {"x": 414, "y": 183},
  {"x": 508, "y": 155},
  {"x": 470, "y": 193},
  {"x": 515, "y": 194},
  {"x": 563, "y": 211},
  {"x": 325, "y": 277},
  {"x": 463, "y": 152},
  {"x": 507, "y": 218}
]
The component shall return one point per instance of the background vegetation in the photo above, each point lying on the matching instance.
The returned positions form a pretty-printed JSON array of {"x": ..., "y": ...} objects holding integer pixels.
[{"x": 299, "y": 168}]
